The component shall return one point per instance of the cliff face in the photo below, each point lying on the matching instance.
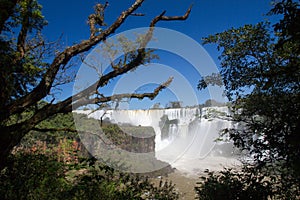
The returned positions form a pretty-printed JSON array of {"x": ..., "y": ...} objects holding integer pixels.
[
  {"x": 165, "y": 122},
  {"x": 136, "y": 139},
  {"x": 183, "y": 137}
]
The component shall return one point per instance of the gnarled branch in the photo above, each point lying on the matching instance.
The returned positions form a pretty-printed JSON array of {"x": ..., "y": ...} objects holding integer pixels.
[
  {"x": 11, "y": 135},
  {"x": 43, "y": 88},
  {"x": 103, "y": 99},
  {"x": 162, "y": 17}
]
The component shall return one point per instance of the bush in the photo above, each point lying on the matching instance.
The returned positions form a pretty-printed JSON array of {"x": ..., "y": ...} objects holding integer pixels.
[
  {"x": 32, "y": 176},
  {"x": 40, "y": 176},
  {"x": 231, "y": 185},
  {"x": 247, "y": 183}
]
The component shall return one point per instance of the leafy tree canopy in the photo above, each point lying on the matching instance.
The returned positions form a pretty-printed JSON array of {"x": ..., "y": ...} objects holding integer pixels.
[{"x": 260, "y": 69}]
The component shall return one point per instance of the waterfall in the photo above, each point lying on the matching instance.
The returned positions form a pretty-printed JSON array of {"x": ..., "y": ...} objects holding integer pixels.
[{"x": 184, "y": 137}]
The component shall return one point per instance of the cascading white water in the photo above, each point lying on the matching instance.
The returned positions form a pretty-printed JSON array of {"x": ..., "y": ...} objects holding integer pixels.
[{"x": 185, "y": 137}]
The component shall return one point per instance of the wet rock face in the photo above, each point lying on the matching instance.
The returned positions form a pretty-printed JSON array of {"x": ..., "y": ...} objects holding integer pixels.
[
  {"x": 136, "y": 139},
  {"x": 141, "y": 139},
  {"x": 142, "y": 145}
]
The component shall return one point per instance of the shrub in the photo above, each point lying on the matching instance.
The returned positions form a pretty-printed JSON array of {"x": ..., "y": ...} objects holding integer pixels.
[
  {"x": 40, "y": 176},
  {"x": 32, "y": 176},
  {"x": 231, "y": 185},
  {"x": 248, "y": 183}
]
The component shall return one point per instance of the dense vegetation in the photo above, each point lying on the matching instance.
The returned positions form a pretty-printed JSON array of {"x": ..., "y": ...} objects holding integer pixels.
[
  {"x": 42, "y": 176},
  {"x": 56, "y": 165},
  {"x": 260, "y": 68}
]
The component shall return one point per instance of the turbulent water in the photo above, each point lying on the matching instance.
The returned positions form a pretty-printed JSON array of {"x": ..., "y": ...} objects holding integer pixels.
[{"x": 184, "y": 137}]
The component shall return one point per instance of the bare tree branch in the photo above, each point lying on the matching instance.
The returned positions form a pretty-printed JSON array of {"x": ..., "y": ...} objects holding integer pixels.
[
  {"x": 104, "y": 99},
  {"x": 135, "y": 62},
  {"x": 62, "y": 59},
  {"x": 11, "y": 135},
  {"x": 162, "y": 17},
  {"x": 66, "y": 105},
  {"x": 138, "y": 14}
]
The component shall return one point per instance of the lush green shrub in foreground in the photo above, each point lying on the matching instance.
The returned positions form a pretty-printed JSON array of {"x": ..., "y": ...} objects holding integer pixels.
[
  {"x": 37, "y": 176},
  {"x": 32, "y": 176},
  {"x": 245, "y": 184}
]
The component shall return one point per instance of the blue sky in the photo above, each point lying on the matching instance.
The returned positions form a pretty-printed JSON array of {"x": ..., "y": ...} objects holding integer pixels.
[{"x": 69, "y": 19}]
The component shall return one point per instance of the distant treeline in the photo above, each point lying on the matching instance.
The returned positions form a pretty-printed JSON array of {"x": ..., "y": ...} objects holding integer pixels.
[{"x": 179, "y": 104}]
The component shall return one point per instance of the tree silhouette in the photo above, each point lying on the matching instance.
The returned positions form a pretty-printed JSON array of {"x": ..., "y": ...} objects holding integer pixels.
[{"x": 26, "y": 77}]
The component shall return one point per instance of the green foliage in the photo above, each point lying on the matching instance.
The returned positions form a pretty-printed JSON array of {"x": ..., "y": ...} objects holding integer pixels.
[
  {"x": 288, "y": 27},
  {"x": 245, "y": 54},
  {"x": 260, "y": 67},
  {"x": 29, "y": 10},
  {"x": 37, "y": 176},
  {"x": 232, "y": 185},
  {"x": 59, "y": 121},
  {"x": 19, "y": 73},
  {"x": 29, "y": 176},
  {"x": 53, "y": 158},
  {"x": 114, "y": 185},
  {"x": 246, "y": 183}
]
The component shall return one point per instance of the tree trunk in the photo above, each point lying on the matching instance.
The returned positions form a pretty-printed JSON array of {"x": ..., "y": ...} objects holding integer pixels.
[{"x": 8, "y": 140}]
